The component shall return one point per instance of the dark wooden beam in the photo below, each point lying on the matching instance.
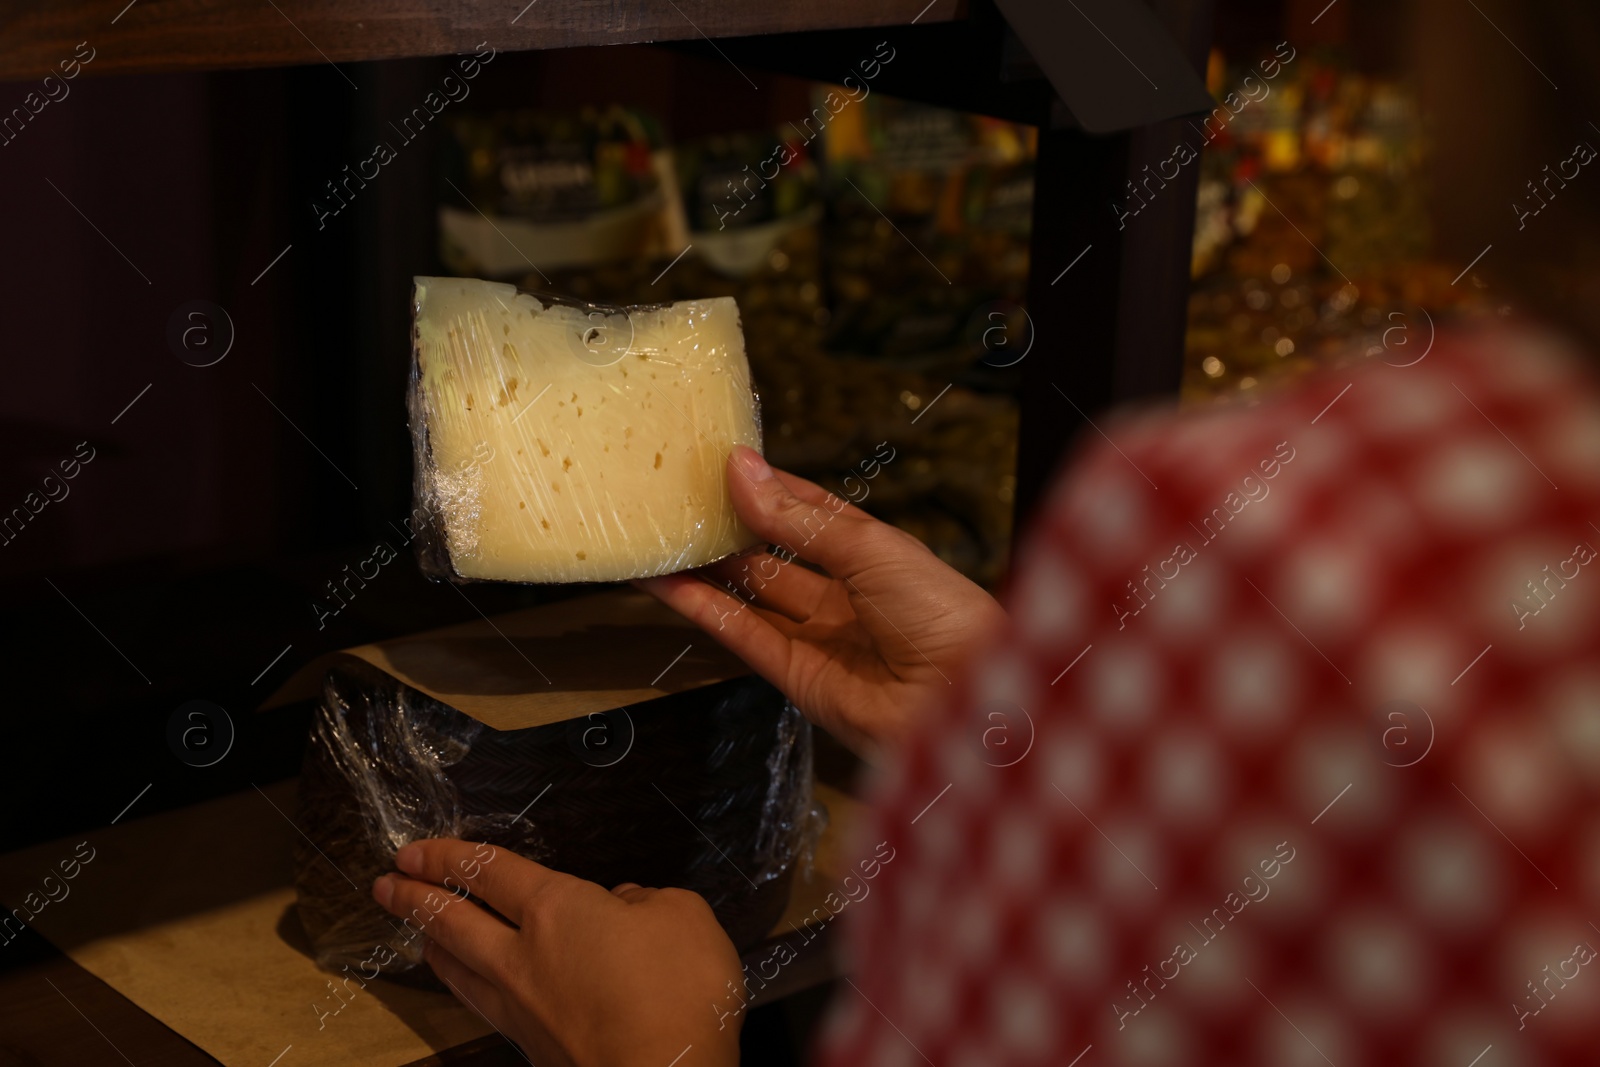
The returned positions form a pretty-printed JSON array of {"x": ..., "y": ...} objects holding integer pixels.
[
  {"x": 172, "y": 35},
  {"x": 1046, "y": 70},
  {"x": 1074, "y": 293},
  {"x": 975, "y": 64},
  {"x": 1111, "y": 328}
]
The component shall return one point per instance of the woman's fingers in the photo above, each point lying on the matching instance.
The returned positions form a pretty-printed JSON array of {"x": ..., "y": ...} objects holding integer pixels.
[
  {"x": 497, "y": 876},
  {"x": 738, "y": 627},
  {"x": 777, "y": 585},
  {"x": 631, "y": 892},
  {"x": 470, "y": 987},
  {"x": 801, "y": 518},
  {"x": 471, "y": 934}
]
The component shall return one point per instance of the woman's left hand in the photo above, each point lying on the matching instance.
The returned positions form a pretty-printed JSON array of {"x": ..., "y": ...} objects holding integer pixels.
[{"x": 579, "y": 975}]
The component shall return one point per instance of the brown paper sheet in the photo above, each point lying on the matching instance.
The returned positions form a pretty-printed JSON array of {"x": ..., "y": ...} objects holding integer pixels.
[
  {"x": 546, "y": 664},
  {"x": 189, "y": 914}
]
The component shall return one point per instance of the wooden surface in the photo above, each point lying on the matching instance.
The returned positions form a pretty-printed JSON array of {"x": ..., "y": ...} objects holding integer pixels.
[
  {"x": 53, "y": 1010},
  {"x": 168, "y": 35}
]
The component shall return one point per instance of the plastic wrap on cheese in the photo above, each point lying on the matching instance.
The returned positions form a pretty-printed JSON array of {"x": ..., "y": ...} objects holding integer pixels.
[
  {"x": 566, "y": 442},
  {"x": 713, "y": 794}
]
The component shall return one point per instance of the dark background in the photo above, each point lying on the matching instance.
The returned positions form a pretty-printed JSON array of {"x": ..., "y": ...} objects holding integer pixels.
[
  {"x": 197, "y": 538},
  {"x": 188, "y": 553}
]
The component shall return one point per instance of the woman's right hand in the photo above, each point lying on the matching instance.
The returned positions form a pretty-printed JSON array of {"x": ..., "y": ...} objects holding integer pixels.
[{"x": 861, "y": 649}]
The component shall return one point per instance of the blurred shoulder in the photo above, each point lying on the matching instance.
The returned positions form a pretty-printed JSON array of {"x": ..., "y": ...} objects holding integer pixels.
[{"x": 1478, "y": 421}]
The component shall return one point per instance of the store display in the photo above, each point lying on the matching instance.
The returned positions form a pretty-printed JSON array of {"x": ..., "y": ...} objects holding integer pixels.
[
  {"x": 563, "y": 442},
  {"x": 558, "y": 190},
  {"x": 1311, "y": 238},
  {"x": 931, "y": 212},
  {"x": 743, "y": 193}
]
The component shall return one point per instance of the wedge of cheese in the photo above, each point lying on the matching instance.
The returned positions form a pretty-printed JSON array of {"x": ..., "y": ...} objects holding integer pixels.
[{"x": 563, "y": 443}]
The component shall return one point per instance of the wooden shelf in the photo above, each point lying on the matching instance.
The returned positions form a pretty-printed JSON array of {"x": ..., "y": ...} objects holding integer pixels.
[{"x": 174, "y": 35}]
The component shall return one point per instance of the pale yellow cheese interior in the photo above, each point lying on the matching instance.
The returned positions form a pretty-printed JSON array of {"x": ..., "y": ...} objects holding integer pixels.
[{"x": 570, "y": 445}]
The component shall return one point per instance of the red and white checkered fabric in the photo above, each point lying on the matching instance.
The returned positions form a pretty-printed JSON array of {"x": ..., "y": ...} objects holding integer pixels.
[{"x": 1292, "y": 756}]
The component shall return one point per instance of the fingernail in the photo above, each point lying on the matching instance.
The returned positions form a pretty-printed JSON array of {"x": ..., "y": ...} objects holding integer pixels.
[
  {"x": 383, "y": 890},
  {"x": 409, "y": 859},
  {"x": 750, "y": 462}
]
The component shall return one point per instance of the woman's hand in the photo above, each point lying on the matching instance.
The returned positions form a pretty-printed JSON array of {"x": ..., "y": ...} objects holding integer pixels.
[
  {"x": 860, "y": 649},
  {"x": 579, "y": 975}
]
